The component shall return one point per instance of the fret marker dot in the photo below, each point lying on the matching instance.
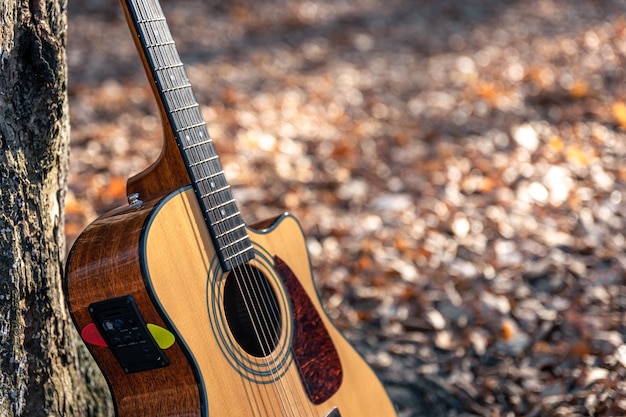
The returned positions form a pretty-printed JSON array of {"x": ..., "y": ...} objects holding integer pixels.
[
  {"x": 188, "y": 138},
  {"x": 212, "y": 184},
  {"x": 201, "y": 134},
  {"x": 172, "y": 77},
  {"x": 223, "y": 212}
]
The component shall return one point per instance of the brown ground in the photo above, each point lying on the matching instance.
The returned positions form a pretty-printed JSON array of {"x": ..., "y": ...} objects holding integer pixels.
[{"x": 459, "y": 169}]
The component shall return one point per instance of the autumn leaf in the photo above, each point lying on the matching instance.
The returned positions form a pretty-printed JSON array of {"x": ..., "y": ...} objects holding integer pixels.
[
  {"x": 488, "y": 91},
  {"x": 115, "y": 189},
  {"x": 508, "y": 328},
  {"x": 556, "y": 144},
  {"x": 619, "y": 112},
  {"x": 576, "y": 155},
  {"x": 579, "y": 89},
  {"x": 73, "y": 206}
]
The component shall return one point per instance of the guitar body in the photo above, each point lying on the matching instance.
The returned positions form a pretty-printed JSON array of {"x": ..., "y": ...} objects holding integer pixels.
[{"x": 162, "y": 255}]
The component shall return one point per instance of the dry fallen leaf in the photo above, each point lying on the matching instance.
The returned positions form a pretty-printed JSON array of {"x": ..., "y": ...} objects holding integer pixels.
[{"x": 619, "y": 112}]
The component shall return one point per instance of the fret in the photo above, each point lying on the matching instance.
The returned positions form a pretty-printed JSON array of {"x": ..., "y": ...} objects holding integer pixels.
[
  {"x": 151, "y": 19},
  {"x": 186, "y": 119},
  {"x": 180, "y": 87},
  {"x": 180, "y": 130},
  {"x": 171, "y": 76},
  {"x": 164, "y": 56},
  {"x": 195, "y": 144},
  {"x": 201, "y": 154},
  {"x": 142, "y": 20},
  {"x": 224, "y": 220},
  {"x": 214, "y": 187},
  {"x": 236, "y": 241},
  {"x": 243, "y": 253},
  {"x": 203, "y": 157},
  {"x": 230, "y": 233},
  {"x": 213, "y": 199},
  {"x": 185, "y": 108},
  {"x": 214, "y": 191},
  {"x": 210, "y": 180},
  {"x": 209, "y": 176},
  {"x": 211, "y": 195},
  {"x": 146, "y": 20},
  {"x": 191, "y": 126},
  {"x": 182, "y": 97},
  {"x": 156, "y": 31},
  {"x": 225, "y": 229},
  {"x": 200, "y": 159},
  {"x": 227, "y": 218},
  {"x": 221, "y": 206},
  {"x": 156, "y": 45},
  {"x": 234, "y": 247}
]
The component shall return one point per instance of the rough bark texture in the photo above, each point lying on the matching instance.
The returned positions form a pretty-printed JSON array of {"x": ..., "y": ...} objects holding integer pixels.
[{"x": 42, "y": 371}]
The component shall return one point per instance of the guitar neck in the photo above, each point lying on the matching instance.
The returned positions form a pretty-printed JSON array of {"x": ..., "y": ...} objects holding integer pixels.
[{"x": 177, "y": 101}]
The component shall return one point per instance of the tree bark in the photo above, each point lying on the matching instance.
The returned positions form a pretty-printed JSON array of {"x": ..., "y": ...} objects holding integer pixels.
[{"x": 42, "y": 369}]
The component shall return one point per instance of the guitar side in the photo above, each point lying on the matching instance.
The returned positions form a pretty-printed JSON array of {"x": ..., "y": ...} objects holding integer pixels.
[{"x": 104, "y": 264}]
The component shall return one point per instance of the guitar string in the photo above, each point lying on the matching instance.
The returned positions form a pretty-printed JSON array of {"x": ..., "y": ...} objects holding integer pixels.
[
  {"x": 152, "y": 11},
  {"x": 251, "y": 289},
  {"x": 260, "y": 317},
  {"x": 274, "y": 332},
  {"x": 245, "y": 282},
  {"x": 264, "y": 344},
  {"x": 266, "y": 350},
  {"x": 215, "y": 199},
  {"x": 304, "y": 399}
]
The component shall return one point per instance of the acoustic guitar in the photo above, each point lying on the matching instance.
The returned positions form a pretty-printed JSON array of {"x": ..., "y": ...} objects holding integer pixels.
[{"x": 187, "y": 310}]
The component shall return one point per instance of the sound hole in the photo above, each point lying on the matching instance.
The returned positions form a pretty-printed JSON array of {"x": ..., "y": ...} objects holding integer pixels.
[{"x": 252, "y": 310}]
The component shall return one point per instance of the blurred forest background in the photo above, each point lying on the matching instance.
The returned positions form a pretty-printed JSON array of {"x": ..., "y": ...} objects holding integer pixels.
[{"x": 459, "y": 169}]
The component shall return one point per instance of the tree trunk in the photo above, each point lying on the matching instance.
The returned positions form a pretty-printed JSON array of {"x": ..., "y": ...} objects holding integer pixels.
[{"x": 42, "y": 369}]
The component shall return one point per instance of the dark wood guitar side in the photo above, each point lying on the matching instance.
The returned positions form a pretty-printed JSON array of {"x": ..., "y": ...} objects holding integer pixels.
[
  {"x": 103, "y": 264},
  {"x": 186, "y": 309}
]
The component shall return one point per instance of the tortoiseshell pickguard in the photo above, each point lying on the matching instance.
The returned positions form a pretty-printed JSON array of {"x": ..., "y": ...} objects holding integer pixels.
[{"x": 313, "y": 349}]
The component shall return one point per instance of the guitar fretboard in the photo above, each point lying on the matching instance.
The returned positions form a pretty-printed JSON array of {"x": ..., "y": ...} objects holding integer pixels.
[{"x": 222, "y": 216}]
